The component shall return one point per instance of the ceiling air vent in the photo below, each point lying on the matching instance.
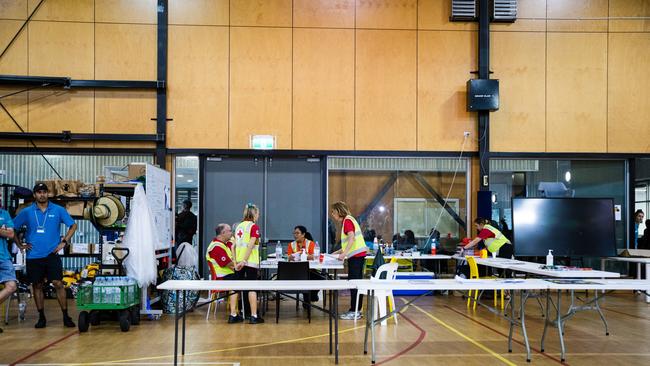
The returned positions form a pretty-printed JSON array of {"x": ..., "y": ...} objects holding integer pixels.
[
  {"x": 504, "y": 10},
  {"x": 463, "y": 10}
]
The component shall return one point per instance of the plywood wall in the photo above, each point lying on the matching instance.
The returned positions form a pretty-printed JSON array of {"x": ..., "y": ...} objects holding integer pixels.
[{"x": 340, "y": 74}]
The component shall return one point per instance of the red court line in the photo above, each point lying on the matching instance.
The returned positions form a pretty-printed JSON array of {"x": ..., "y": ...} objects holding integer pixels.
[
  {"x": 43, "y": 348},
  {"x": 413, "y": 345},
  {"x": 506, "y": 336},
  {"x": 622, "y": 313}
]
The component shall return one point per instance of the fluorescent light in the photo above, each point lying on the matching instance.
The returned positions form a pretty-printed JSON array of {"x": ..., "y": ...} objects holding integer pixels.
[
  {"x": 190, "y": 180},
  {"x": 382, "y": 208},
  {"x": 567, "y": 176},
  {"x": 179, "y": 175}
]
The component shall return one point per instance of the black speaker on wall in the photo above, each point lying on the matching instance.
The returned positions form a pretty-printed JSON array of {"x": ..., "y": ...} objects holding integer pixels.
[
  {"x": 484, "y": 204},
  {"x": 482, "y": 94}
]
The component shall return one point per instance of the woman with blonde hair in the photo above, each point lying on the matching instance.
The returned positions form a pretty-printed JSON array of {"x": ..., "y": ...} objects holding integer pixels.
[
  {"x": 247, "y": 240},
  {"x": 353, "y": 247}
]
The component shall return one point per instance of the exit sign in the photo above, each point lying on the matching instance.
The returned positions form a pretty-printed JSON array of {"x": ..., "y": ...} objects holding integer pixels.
[{"x": 262, "y": 142}]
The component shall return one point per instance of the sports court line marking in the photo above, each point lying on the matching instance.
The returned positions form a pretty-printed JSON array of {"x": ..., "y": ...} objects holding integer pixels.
[
  {"x": 410, "y": 347},
  {"x": 138, "y": 364},
  {"x": 506, "y": 336},
  {"x": 126, "y": 362},
  {"x": 627, "y": 314},
  {"x": 460, "y": 334},
  {"x": 44, "y": 348}
]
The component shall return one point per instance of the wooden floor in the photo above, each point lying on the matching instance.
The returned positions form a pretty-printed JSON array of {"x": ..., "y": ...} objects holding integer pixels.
[{"x": 437, "y": 330}]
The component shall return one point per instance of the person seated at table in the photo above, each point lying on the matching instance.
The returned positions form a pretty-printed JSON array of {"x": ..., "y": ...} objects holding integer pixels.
[
  {"x": 222, "y": 265},
  {"x": 301, "y": 235},
  {"x": 409, "y": 240}
]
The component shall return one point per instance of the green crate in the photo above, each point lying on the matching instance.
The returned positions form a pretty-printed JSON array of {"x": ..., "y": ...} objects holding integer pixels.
[{"x": 107, "y": 297}]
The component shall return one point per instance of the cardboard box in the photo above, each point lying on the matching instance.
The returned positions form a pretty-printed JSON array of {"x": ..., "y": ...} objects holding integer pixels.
[
  {"x": 75, "y": 208},
  {"x": 94, "y": 248},
  {"x": 79, "y": 248},
  {"x": 137, "y": 170}
]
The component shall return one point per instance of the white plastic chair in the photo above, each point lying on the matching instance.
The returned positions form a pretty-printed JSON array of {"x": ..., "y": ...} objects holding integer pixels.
[{"x": 384, "y": 272}]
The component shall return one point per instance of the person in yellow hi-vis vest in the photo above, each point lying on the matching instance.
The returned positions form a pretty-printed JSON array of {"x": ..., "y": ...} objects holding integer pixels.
[
  {"x": 221, "y": 258},
  {"x": 353, "y": 247},
  {"x": 247, "y": 257},
  {"x": 494, "y": 239}
]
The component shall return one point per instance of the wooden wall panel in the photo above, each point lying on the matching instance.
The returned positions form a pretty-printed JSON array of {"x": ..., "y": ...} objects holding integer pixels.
[
  {"x": 518, "y": 60},
  {"x": 323, "y": 89},
  {"x": 577, "y": 15},
  {"x": 629, "y": 9},
  {"x": 63, "y": 10},
  {"x": 17, "y": 106},
  {"x": 260, "y": 85},
  {"x": 199, "y": 12},
  {"x": 126, "y": 11},
  {"x": 629, "y": 76},
  {"x": 61, "y": 49},
  {"x": 125, "y": 111},
  {"x": 444, "y": 61},
  {"x": 385, "y": 114},
  {"x": 198, "y": 95},
  {"x": 531, "y": 17},
  {"x": 386, "y": 14},
  {"x": 125, "y": 51},
  {"x": 434, "y": 15},
  {"x": 324, "y": 13},
  {"x": 14, "y": 62},
  {"x": 13, "y": 9},
  {"x": 56, "y": 111},
  {"x": 576, "y": 92},
  {"x": 272, "y": 13}
]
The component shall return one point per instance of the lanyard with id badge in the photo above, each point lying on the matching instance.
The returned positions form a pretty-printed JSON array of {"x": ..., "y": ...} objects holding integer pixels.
[{"x": 40, "y": 229}]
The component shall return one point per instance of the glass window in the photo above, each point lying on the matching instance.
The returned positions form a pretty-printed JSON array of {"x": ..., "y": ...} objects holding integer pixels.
[
  {"x": 186, "y": 189},
  {"x": 389, "y": 196}
]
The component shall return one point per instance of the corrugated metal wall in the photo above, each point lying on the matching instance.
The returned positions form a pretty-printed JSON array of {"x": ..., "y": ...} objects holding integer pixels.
[
  {"x": 394, "y": 164},
  {"x": 25, "y": 169}
]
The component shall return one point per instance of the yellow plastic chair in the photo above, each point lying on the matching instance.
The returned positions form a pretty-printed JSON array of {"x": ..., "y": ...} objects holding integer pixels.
[{"x": 473, "y": 274}]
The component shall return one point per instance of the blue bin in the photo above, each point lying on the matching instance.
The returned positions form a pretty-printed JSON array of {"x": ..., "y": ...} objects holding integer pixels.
[{"x": 413, "y": 276}]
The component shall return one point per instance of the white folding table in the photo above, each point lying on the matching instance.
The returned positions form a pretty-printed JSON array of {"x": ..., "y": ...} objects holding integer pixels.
[
  {"x": 418, "y": 257},
  {"x": 521, "y": 286},
  {"x": 181, "y": 286},
  {"x": 639, "y": 261}
]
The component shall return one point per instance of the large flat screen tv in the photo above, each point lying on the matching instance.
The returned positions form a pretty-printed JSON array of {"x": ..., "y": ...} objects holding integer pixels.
[{"x": 569, "y": 226}]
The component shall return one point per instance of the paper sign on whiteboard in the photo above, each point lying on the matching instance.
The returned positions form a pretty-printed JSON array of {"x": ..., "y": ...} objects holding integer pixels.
[{"x": 159, "y": 197}]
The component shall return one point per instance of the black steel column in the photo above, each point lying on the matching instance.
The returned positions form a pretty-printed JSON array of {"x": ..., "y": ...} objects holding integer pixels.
[
  {"x": 631, "y": 174},
  {"x": 484, "y": 73},
  {"x": 161, "y": 92}
]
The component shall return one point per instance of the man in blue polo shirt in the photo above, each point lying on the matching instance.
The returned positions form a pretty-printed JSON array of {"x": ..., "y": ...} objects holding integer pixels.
[
  {"x": 7, "y": 273},
  {"x": 43, "y": 241}
]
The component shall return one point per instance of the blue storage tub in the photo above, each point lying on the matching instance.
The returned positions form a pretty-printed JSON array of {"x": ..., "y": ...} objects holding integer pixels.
[{"x": 413, "y": 276}]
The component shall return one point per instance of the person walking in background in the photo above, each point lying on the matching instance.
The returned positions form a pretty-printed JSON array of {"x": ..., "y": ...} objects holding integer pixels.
[
  {"x": 7, "y": 273},
  {"x": 353, "y": 247},
  {"x": 186, "y": 224}
]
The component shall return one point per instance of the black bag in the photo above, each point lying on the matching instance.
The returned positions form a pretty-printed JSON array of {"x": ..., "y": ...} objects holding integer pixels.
[{"x": 168, "y": 298}]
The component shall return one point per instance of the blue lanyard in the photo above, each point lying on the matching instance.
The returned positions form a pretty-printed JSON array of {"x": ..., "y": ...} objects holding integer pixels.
[{"x": 38, "y": 225}]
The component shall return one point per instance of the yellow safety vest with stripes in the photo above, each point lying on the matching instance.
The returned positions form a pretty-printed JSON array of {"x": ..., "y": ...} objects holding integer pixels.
[
  {"x": 242, "y": 238},
  {"x": 218, "y": 270},
  {"x": 359, "y": 245},
  {"x": 499, "y": 240}
]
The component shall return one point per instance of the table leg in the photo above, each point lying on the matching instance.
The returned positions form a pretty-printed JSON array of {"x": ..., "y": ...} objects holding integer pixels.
[
  {"x": 522, "y": 314},
  {"x": 560, "y": 327},
  {"x": 512, "y": 321},
  {"x": 184, "y": 313},
  {"x": 331, "y": 307},
  {"x": 336, "y": 327},
  {"x": 600, "y": 313},
  {"x": 371, "y": 304},
  {"x": 176, "y": 328},
  {"x": 368, "y": 319},
  {"x": 647, "y": 278},
  {"x": 546, "y": 318}
]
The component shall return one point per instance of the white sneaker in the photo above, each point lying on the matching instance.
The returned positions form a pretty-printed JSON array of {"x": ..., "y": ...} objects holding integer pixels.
[{"x": 351, "y": 315}]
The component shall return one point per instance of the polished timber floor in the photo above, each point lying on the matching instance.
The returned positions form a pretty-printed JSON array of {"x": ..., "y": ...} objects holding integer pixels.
[{"x": 437, "y": 330}]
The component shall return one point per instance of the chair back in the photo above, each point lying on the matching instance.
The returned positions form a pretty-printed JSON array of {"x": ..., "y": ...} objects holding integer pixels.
[
  {"x": 386, "y": 272},
  {"x": 293, "y": 270},
  {"x": 473, "y": 268}
]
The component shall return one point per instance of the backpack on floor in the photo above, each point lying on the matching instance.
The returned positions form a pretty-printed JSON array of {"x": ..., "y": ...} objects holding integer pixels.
[{"x": 168, "y": 298}]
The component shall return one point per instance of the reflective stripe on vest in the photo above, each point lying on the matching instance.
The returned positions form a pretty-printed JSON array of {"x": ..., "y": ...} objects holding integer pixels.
[
  {"x": 242, "y": 238},
  {"x": 218, "y": 270},
  {"x": 308, "y": 244},
  {"x": 359, "y": 245},
  {"x": 494, "y": 244}
]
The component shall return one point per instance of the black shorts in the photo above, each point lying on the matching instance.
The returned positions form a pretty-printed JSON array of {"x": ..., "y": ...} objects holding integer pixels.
[
  {"x": 247, "y": 273},
  {"x": 232, "y": 276},
  {"x": 49, "y": 268}
]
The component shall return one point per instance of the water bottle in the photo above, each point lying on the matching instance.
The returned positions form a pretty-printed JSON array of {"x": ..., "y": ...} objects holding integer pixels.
[
  {"x": 97, "y": 290},
  {"x": 303, "y": 256},
  {"x": 278, "y": 251},
  {"x": 375, "y": 245},
  {"x": 316, "y": 251}
]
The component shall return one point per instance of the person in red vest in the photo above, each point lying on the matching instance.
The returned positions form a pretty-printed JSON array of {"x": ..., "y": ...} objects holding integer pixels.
[
  {"x": 222, "y": 264},
  {"x": 300, "y": 234}
]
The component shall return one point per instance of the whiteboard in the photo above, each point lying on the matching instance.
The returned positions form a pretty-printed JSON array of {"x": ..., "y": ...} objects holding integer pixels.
[{"x": 158, "y": 187}]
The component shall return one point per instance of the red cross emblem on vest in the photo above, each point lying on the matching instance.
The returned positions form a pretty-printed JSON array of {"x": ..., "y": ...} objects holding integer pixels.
[{"x": 240, "y": 233}]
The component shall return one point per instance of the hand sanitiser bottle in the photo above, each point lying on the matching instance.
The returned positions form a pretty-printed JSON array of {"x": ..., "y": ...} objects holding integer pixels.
[{"x": 549, "y": 258}]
